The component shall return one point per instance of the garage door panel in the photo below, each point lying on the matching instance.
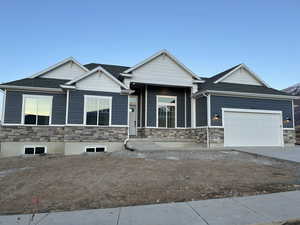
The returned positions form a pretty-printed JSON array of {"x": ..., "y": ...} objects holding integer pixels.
[{"x": 252, "y": 129}]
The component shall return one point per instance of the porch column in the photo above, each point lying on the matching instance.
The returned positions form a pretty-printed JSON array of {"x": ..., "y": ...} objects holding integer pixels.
[{"x": 194, "y": 89}]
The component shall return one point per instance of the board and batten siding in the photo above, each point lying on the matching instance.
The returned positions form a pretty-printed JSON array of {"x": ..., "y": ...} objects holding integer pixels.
[
  {"x": 219, "y": 102},
  {"x": 153, "y": 92},
  {"x": 98, "y": 81},
  {"x": 162, "y": 70},
  {"x": 76, "y": 106},
  {"x": 67, "y": 71},
  {"x": 201, "y": 111},
  {"x": 13, "y": 107},
  {"x": 241, "y": 76}
]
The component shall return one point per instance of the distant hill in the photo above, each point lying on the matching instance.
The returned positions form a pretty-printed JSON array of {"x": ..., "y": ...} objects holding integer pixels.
[{"x": 295, "y": 90}]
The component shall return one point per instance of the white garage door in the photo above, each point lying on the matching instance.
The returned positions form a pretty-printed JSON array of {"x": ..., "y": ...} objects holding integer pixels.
[{"x": 252, "y": 128}]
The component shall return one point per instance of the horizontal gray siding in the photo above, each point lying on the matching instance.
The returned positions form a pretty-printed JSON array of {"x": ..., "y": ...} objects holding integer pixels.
[
  {"x": 13, "y": 107},
  {"x": 219, "y": 102},
  {"x": 153, "y": 91},
  {"x": 201, "y": 111},
  {"x": 76, "y": 106}
]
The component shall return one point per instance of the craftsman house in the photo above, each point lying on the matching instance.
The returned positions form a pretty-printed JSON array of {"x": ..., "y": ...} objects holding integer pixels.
[{"x": 72, "y": 108}]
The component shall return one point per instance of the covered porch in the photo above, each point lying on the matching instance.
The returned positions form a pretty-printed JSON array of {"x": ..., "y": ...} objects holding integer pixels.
[{"x": 160, "y": 111}]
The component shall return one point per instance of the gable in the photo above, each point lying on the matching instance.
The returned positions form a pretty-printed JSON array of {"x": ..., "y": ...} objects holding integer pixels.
[
  {"x": 242, "y": 76},
  {"x": 66, "y": 71},
  {"x": 162, "y": 70},
  {"x": 98, "y": 81}
]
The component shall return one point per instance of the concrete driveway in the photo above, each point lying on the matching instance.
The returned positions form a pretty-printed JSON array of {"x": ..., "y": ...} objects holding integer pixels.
[{"x": 285, "y": 153}]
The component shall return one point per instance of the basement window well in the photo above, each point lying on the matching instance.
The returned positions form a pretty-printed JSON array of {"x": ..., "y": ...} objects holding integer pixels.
[
  {"x": 95, "y": 149},
  {"x": 34, "y": 150}
]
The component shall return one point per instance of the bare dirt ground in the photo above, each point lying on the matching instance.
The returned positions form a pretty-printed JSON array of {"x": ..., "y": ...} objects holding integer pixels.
[{"x": 56, "y": 183}]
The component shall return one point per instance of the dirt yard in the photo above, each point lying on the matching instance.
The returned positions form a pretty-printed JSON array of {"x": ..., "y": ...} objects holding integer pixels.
[{"x": 56, "y": 183}]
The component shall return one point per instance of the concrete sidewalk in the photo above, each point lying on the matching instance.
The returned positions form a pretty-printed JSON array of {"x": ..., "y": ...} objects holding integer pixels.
[
  {"x": 285, "y": 153},
  {"x": 228, "y": 211}
]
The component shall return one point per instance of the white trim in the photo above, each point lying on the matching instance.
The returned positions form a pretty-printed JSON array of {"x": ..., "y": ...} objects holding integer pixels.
[
  {"x": 208, "y": 105},
  {"x": 251, "y": 111},
  {"x": 141, "y": 110},
  {"x": 255, "y": 111},
  {"x": 162, "y": 52},
  {"x": 82, "y": 125},
  {"x": 166, "y": 104},
  {"x": 31, "y": 88},
  {"x": 34, "y": 146},
  {"x": 193, "y": 111},
  {"x": 3, "y": 107},
  {"x": 246, "y": 68},
  {"x": 97, "y": 97},
  {"x": 69, "y": 59},
  {"x": 36, "y": 96},
  {"x": 247, "y": 94},
  {"x": 185, "y": 122},
  {"x": 32, "y": 125},
  {"x": 216, "y": 126},
  {"x": 128, "y": 117},
  {"x": 146, "y": 108},
  {"x": 288, "y": 128},
  {"x": 98, "y": 69},
  {"x": 95, "y": 146},
  {"x": 126, "y": 75},
  {"x": 67, "y": 86},
  {"x": 293, "y": 114},
  {"x": 67, "y": 107}
]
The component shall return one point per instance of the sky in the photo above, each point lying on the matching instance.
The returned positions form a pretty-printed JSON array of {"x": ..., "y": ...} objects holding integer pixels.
[{"x": 207, "y": 36}]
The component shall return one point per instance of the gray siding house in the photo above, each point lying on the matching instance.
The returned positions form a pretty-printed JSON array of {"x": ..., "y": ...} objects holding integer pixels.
[{"x": 72, "y": 108}]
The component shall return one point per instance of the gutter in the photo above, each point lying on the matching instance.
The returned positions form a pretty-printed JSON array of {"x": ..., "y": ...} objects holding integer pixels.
[
  {"x": 30, "y": 88},
  {"x": 246, "y": 94}
]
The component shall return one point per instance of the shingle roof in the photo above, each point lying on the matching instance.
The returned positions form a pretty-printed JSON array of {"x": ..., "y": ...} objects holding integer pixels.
[
  {"x": 37, "y": 82},
  {"x": 239, "y": 88},
  {"x": 219, "y": 75},
  {"x": 114, "y": 70},
  {"x": 222, "y": 86}
]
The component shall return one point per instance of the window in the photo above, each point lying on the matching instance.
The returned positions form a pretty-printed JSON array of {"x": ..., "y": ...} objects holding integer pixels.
[
  {"x": 34, "y": 150},
  {"x": 97, "y": 110},
  {"x": 37, "y": 110},
  {"x": 166, "y": 111},
  {"x": 95, "y": 149}
]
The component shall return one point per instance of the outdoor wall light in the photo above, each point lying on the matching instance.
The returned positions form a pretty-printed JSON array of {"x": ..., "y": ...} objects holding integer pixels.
[
  {"x": 216, "y": 117},
  {"x": 287, "y": 120}
]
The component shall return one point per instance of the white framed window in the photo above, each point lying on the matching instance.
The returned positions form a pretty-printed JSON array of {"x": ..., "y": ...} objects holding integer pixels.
[
  {"x": 97, "y": 110},
  {"x": 37, "y": 110},
  {"x": 95, "y": 149},
  {"x": 166, "y": 111},
  {"x": 35, "y": 150}
]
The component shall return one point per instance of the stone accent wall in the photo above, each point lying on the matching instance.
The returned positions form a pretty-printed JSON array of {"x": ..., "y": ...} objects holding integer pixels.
[
  {"x": 31, "y": 134},
  {"x": 289, "y": 137},
  {"x": 200, "y": 135},
  {"x": 61, "y": 134},
  {"x": 298, "y": 135},
  {"x": 216, "y": 137},
  {"x": 88, "y": 134},
  {"x": 170, "y": 133}
]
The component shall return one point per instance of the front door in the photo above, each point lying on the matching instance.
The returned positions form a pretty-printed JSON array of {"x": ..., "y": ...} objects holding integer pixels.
[{"x": 132, "y": 115}]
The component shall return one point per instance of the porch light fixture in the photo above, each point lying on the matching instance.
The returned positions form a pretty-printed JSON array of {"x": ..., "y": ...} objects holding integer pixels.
[
  {"x": 216, "y": 117},
  {"x": 287, "y": 120}
]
